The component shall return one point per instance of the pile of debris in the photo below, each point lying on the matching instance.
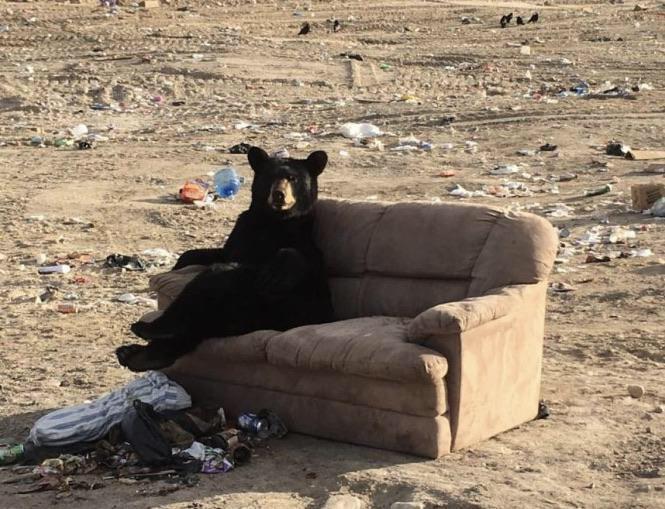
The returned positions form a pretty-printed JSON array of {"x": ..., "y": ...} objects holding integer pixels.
[{"x": 145, "y": 430}]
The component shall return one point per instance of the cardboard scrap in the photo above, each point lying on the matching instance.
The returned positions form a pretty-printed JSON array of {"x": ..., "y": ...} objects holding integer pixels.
[
  {"x": 645, "y": 195},
  {"x": 643, "y": 155}
]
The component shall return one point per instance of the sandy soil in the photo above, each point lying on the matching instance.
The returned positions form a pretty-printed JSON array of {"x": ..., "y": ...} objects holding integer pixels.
[{"x": 232, "y": 61}]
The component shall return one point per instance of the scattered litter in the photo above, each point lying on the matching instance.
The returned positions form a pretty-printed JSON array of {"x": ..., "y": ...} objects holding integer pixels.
[
  {"x": 618, "y": 234},
  {"x": 592, "y": 258},
  {"x": 525, "y": 50},
  {"x": 10, "y": 454},
  {"x": 359, "y": 131},
  {"x": 78, "y": 131},
  {"x": 561, "y": 287},
  {"x": 410, "y": 99},
  {"x": 598, "y": 190},
  {"x": 130, "y": 298},
  {"x": 447, "y": 173},
  {"x": 158, "y": 257},
  {"x": 38, "y": 141},
  {"x": 412, "y": 143},
  {"x": 227, "y": 182},
  {"x": 244, "y": 125},
  {"x": 548, "y": 147},
  {"x": 193, "y": 190},
  {"x": 505, "y": 169},
  {"x": 640, "y": 253},
  {"x": 54, "y": 269},
  {"x": 468, "y": 20},
  {"x": 67, "y": 308},
  {"x": 645, "y": 155},
  {"x": 658, "y": 208},
  {"x": 526, "y": 152},
  {"x": 582, "y": 88},
  {"x": 47, "y": 295},
  {"x": 471, "y": 147},
  {"x": 615, "y": 148},
  {"x": 131, "y": 263},
  {"x": 370, "y": 143},
  {"x": 91, "y": 421},
  {"x": 558, "y": 210},
  {"x": 464, "y": 193},
  {"x": 564, "y": 177}
]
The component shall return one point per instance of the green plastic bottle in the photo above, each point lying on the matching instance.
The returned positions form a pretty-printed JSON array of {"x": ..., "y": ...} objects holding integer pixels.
[{"x": 10, "y": 454}]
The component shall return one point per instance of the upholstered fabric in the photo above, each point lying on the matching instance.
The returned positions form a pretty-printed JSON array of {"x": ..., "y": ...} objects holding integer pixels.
[
  {"x": 438, "y": 342},
  {"x": 169, "y": 284},
  {"x": 397, "y": 396},
  {"x": 401, "y": 259},
  {"x": 325, "y": 418},
  {"x": 389, "y": 294},
  {"x": 520, "y": 249},
  {"x": 372, "y": 347},
  {"x": 493, "y": 381},
  {"x": 464, "y": 315}
]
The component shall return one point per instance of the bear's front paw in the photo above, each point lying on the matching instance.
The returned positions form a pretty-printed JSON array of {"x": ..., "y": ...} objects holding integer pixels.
[
  {"x": 126, "y": 353},
  {"x": 150, "y": 331}
]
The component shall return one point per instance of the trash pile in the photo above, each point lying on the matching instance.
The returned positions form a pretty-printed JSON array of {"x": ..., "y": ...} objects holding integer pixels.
[
  {"x": 599, "y": 244},
  {"x": 145, "y": 430},
  {"x": 225, "y": 184},
  {"x": 365, "y": 135},
  {"x": 78, "y": 137}
]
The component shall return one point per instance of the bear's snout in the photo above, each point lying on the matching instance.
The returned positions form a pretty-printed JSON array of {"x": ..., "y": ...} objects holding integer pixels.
[{"x": 282, "y": 196}]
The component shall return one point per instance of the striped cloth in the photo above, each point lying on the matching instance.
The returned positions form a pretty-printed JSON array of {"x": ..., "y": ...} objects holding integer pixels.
[{"x": 92, "y": 421}]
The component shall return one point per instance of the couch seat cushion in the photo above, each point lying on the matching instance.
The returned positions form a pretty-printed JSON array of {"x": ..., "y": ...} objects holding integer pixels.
[{"x": 373, "y": 347}]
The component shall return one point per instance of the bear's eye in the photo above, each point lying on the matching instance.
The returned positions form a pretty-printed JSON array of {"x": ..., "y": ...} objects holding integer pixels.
[{"x": 292, "y": 178}]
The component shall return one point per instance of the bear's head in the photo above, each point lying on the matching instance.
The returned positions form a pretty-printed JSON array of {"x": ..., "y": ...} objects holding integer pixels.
[{"x": 285, "y": 187}]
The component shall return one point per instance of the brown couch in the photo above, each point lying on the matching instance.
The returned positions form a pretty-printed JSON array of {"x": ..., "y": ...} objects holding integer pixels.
[{"x": 438, "y": 342}]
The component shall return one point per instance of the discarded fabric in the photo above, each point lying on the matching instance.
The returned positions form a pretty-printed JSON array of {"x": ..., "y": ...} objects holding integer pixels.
[{"x": 91, "y": 421}]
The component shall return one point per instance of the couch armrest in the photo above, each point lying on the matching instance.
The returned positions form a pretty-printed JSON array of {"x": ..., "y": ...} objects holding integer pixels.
[
  {"x": 467, "y": 314},
  {"x": 493, "y": 345},
  {"x": 168, "y": 285}
]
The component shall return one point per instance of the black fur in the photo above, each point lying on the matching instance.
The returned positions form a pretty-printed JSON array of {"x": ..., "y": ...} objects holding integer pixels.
[{"x": 268, "y": 275}]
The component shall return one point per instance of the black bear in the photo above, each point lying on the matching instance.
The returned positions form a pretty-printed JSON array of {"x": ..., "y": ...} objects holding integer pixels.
[{"x": 268, "y": 275}]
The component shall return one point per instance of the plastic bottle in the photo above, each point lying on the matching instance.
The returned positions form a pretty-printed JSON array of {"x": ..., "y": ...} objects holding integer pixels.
[
  {"x": 10, "y": 454},
  {"x": 227, "y": 182}
]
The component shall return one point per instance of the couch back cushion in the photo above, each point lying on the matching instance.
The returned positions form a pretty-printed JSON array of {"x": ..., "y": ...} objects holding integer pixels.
[{"x": 400, "y": 259}]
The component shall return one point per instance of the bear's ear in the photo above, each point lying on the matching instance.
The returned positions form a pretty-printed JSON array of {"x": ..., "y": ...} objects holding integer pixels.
[
  {"x": 258, "y": 159},
  {"x": 316, "y": 162}
]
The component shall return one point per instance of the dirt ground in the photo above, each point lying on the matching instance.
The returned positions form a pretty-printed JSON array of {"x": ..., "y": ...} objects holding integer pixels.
[{"x": 425, "y": 73}]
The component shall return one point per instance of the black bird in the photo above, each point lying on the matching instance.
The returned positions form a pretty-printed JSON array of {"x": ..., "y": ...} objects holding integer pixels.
[
  {"x": 509, "y": 18},
  {"x": 519, "y": 20},
  {"x": 337, "y": 26},
  {"x": 533, "y": 18},
  {"x": 503, "y": 22},
  {"x": 305, "y": 28}
]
